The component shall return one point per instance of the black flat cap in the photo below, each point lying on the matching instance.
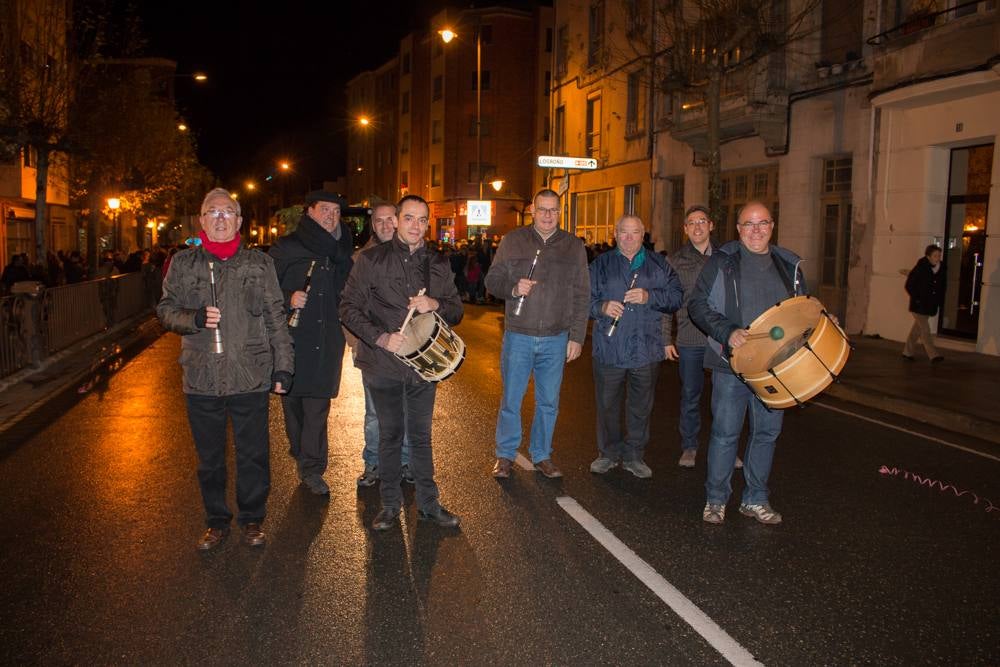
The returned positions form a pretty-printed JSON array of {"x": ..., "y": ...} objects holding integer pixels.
[{"x": 323, "y": 195}]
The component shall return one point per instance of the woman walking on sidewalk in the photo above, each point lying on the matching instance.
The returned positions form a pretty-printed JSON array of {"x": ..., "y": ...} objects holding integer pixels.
[{"x": 925, "y": 285}]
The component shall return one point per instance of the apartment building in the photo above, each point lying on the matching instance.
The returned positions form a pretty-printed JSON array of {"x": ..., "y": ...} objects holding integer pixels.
[{"x": 373, "y": 105}]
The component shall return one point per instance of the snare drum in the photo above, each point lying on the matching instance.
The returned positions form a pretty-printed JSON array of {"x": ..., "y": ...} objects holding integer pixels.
[
  {"x": 431, "y": 348},
  {"x": 794, "y": 351}
]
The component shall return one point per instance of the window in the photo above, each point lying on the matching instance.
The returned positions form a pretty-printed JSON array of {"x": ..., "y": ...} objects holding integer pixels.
[
  {"x": 594, "y": 127},
  {"x": 545, "y": 129},
  {"x": 676, "y": 211},
  {"x": 635, "y": 112},
  {"x": 435, "y": 131},
  {"x": 438, "y": 88},
  {"x": 593, "y": 216},
  {"x": 488, "y": 171},
  {"x": 841, "y": 31},
  {"x": 837, "y": 175},
  {"x": 548, "y": 83},
  {"x": 736, "y": 191},
  {"x": 485, "y": 75},
  {"x": 405, "y": 104},
  {"x": 406, "y": 63},
  {"x": 632, "y": 199},
  {"x": 836, "y": 214},
  {"x": 635, "y": 22},
  {"x": 562, "y": 50},
  {"x": 559, "y": 129},
  {"x": 435, "y": 175},
  {"x": 30, "y": 156},
  {"x": 484, "y": 125},
  {"x": 486, "y": 34},
  {"x": 548, "y": 40},
  {"x": 404, "y": 143},
  {"x": 595, "y": 43}
]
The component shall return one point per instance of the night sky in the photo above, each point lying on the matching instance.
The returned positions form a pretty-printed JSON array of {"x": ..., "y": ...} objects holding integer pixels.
[{"x": 277, "y": 72}]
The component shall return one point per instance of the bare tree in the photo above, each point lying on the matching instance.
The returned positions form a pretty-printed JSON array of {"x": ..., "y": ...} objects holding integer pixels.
[{"x": 36, "y": 92}]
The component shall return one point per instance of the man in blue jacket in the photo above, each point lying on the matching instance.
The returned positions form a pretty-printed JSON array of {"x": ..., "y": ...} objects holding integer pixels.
[
  {"x": 630, "y": 290},
  {"x": 738, "y": 283}
]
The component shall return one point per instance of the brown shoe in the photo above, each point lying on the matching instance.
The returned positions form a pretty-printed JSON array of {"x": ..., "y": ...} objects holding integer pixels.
[
  {"x": 212, "y": 538},
  {"x": 253, "y": 535},
  {"x": 501, "y": 469},
  {"x": 548, "y": 468}
]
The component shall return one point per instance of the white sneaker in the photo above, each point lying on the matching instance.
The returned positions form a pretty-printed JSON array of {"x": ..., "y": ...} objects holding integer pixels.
[
  {"x": 688, "y": 457},
  {"x": 714, "y": 514},
  {"x": 602, "y": 465},
  {"x": 763, "y": 513},
  {"x": 638, "y": 468}
]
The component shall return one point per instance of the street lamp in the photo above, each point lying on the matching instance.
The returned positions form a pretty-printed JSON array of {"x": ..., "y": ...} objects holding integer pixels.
[
  {"x": 114, "y": 203},
  {"x": 182, "y": 127},
  {"x": 447, "y": 35},
  {"x": 497, "y": 184}
]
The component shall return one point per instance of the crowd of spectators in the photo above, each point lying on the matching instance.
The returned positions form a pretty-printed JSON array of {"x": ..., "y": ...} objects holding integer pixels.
[{"x": 61, "y": 268}]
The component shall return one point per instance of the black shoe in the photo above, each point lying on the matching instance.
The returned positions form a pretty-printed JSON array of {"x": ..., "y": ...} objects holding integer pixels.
[
  {"x": 386, "y": 519},
  {"x": 440, "y": 516},
  {"x": 938, "y": 359},
  {"x": 317, "y": 485},
  {"x": 407, "y": 475},
  {"x": 907, "y": 357}
]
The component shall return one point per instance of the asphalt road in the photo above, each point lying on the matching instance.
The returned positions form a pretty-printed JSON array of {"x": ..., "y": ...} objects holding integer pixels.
[{"x": 100, "y": 511}]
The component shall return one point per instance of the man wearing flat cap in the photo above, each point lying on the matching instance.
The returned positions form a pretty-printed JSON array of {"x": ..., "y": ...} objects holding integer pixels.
[{"x": 322, "y": 243}]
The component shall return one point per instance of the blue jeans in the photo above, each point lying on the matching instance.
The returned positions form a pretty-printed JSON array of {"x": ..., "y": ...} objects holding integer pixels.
[
  {"x": 692, "y": 372},
  {"x": 522, "y": 355},
  {"x": 370, "y": 452},
  {"x": 730, "y": 400}
]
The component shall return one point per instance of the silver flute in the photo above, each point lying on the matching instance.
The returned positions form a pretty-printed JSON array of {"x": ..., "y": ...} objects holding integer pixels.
[
  {"x": 216, "y": 332},
  {"x": 531, "y": 271},
  {"x": 614, "y": 322}
]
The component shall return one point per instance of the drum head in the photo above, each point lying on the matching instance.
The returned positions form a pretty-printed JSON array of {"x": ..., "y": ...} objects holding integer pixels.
[
  {"x": 777, "y": 334},
  {"x": 418, "y": 331}
]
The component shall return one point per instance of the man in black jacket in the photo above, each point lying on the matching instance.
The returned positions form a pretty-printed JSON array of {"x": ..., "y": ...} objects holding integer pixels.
[
  {"x": 925, "y": 285},
  {"x": 384, "y": 284},
  {"x": 322, "y": 242}
]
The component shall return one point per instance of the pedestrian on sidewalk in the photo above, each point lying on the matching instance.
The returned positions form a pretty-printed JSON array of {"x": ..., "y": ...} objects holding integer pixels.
[
  {"x": 320, "y": 243},
  {"x": 545, "y": 323},
  {"x": 925, "y": 285},
  {"x": 245, "y": 307},
  {"x": 384, "y": 223},
  {"x": 630, "y": 290},
  {"x": 385, "y": 283}
]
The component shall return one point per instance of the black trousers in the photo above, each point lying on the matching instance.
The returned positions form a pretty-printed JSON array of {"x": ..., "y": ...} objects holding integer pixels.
[
  {"x": 610, "y": 385},
  {"x": 208, "y": 416},
  {"x": 404, "y": 409},
  {"x": 306, "y": 426}
]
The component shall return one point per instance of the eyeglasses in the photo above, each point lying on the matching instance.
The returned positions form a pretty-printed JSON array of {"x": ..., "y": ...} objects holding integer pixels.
[
  {"x": 547, "y": 211},
  {"x": 757, "y": 226},
  {"x": 226, "y": 213},
  {"x": 701, "y": 222}
]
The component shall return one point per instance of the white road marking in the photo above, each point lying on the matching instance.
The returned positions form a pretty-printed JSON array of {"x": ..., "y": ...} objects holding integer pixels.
[
  {"x": 523, "y": 461},
  {"x": 644, "y": 572},
  {"x": 909, "y": 432}
]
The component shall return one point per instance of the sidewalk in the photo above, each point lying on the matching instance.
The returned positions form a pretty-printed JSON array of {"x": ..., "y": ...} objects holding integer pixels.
[{"x": 960, "y": 394}]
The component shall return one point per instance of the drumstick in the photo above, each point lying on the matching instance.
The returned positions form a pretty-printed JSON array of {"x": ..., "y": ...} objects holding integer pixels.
[
  {"x": 775, "y": 333},
  {"x": 412, "y": 310}
]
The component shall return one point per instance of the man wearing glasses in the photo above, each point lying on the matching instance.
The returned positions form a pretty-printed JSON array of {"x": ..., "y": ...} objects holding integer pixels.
[
  {"x": 739, "y": 282},
  {"x": 688, "y": 347},
  {"x": 224, "y": 301},
  {"x": 545, "y": 324}
]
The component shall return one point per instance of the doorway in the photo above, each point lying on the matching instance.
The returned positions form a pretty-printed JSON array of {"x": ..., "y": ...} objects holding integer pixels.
[{"x": 970, "y": 175}]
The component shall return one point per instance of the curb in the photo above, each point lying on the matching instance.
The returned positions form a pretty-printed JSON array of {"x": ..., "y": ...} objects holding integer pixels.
[{"x": 965, "y": 424}]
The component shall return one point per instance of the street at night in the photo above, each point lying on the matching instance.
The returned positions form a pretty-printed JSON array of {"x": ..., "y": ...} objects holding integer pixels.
[{"x": 101, "y": 513}]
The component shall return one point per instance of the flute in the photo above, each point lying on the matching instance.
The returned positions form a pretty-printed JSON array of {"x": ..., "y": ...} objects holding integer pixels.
[
  {"x": 614, "y": 322},
  {"x": 531, "y": 271},
  {"x": 216, "y": 332},
  {"x": 293, "y": 319}
]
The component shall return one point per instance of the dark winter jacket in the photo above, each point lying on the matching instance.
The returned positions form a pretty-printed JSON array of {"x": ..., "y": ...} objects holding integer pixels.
[
  {"x": 561, "y": 299},
  {"x": 255, "y": 339},
  {"x": 377, "y": 297},
  {"x": 926, "y": 288},
  {"x": 714, "y": 306},
  {"x": 319, "y": 339},
  {"x": 638, "y": 337},
  {"x": 687, "y": 262}
]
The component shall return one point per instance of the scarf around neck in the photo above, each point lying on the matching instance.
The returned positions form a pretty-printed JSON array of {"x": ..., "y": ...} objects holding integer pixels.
[{"x": 221, "y": 249}]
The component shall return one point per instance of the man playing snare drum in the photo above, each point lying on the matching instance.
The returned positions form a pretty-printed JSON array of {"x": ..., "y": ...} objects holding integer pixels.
[
  {"x": 383, "y": 287},
  {"x": 738, "y": 283}
]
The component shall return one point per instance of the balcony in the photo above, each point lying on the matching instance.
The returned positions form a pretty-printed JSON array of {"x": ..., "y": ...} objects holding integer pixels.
[{"x": 936, "y": 44}]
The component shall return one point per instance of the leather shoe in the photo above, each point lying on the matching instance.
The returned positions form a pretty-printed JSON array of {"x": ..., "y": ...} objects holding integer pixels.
[
  {"x": 253, "y": 536},
  {"x": 440, "y": 516},
  {"x": 501, "y": 469},
  {"x": 548, "y": 468},
  {"x": 212, "y": 538},
  {"x": 386, "y": 519}
]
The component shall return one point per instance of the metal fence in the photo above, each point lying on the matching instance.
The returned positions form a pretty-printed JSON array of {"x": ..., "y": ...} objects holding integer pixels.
[{"x": 32, "y": 327}]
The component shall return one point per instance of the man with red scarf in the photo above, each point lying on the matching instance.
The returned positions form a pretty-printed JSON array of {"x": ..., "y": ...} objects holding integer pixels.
[{"x": 224, "y": 300}]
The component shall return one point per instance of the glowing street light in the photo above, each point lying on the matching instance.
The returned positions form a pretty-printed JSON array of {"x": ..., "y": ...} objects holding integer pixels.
[
  {"x": 251, "y": 186},
  {"x": 285, "y": 166},
  {"x": 200, "y": 76},
  {"x": 364, "y": 121},
  {"x": 447, "y": 35},
  {"x": 497, "y": 184},
  {"x": 182, "y": 127},
  {"x": 114, "y": 203}
]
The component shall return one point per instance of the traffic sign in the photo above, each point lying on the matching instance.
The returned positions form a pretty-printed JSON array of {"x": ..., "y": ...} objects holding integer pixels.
[
  {"x": 563, "y": 162},
  {"x": 479, "y": 213}
]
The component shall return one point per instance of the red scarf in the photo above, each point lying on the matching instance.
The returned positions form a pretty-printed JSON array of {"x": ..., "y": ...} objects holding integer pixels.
[{"x": 221, "y": 249}]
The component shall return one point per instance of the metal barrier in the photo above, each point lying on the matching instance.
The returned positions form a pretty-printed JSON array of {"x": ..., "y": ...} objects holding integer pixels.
[{"x": 32, "y": 327}]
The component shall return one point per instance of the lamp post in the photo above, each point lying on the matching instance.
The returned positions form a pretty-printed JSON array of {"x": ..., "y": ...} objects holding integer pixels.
[
  {"x": 114, "y": 203},
  {"x": 447, "y": 35}
]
